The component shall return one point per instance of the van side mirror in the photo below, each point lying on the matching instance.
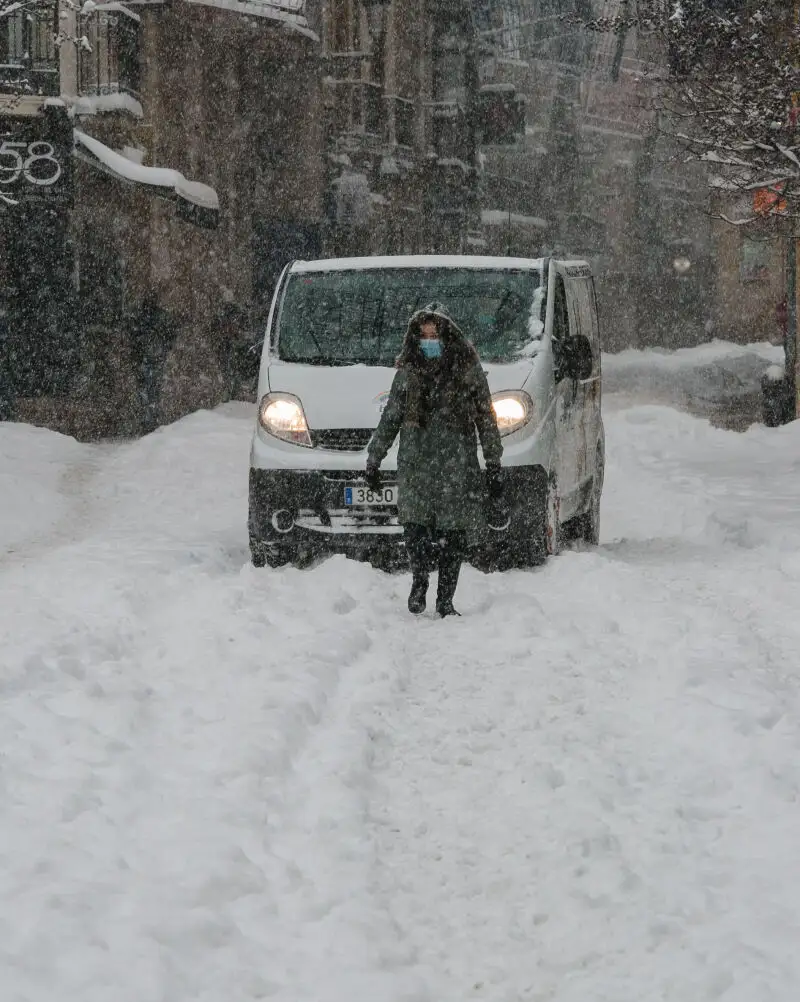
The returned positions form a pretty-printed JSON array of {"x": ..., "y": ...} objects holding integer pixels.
[{"x": 579, "y": 361}]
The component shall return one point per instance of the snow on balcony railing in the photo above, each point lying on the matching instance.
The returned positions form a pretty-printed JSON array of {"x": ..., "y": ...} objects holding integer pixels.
[
  {"x": 28, "y": 50},
  {"x": 197, "y": 202},
  {"x": 109, "y": 60},
  {"x": 501, "y": 217},
  {"x": 291, "y": 12}
]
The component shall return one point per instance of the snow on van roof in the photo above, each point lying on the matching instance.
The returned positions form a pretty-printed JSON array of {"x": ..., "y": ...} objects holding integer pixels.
[{"x": 417, "y": 261}]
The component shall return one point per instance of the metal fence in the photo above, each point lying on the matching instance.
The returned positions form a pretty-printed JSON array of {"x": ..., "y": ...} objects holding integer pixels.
[{"x": 28, "y": 48}]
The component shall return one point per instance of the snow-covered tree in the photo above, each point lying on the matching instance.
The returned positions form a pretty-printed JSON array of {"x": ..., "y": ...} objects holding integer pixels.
[{"x": 732, "y": 92}]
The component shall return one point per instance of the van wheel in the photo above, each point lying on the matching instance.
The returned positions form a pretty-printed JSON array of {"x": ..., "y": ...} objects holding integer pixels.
[
  {"x": 262, "y": 555},
  {"x": 258, "y": 553},
  {"x": 548, "y": 535},
  {"x": 552, "y": 523}
]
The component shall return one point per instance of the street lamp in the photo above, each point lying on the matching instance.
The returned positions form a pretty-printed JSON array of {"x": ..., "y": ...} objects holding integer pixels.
[{"x": 682, "y": 265}]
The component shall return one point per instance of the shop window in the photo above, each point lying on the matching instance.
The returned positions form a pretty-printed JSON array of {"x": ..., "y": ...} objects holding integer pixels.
[{"x": 449, "y": 71}]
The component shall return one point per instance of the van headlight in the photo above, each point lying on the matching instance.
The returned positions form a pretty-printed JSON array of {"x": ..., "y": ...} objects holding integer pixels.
[
  {"x": 513, "y": 410},
  {"x": 282, "y": 415}
]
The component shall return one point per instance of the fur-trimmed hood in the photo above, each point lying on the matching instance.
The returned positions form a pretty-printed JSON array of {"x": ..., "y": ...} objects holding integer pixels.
[
  {"x": 458, "y": 352},
  {"x": 440, "y": 384}
]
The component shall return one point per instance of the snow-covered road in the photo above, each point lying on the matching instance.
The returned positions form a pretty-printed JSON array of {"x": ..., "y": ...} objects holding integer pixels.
[{"x": 221, "y": 784}]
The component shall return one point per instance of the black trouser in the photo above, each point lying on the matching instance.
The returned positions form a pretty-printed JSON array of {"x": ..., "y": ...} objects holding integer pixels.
[{"x": 421, "y": 546}]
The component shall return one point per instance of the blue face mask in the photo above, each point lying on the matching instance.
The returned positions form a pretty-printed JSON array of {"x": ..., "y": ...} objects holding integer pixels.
[{"x": 431, "y": 347}]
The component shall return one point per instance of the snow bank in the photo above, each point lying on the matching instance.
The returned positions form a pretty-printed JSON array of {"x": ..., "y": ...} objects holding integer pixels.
[
  {"x": 38, "y": 481},
  {"x": 719, "y": 380},
  {"x": 227, "y": 783}
]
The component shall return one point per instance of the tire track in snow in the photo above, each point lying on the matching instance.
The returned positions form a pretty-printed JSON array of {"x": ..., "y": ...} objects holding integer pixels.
[
  {"x": 213, "y": 803},
  {"x": 225, "y": 783},
  {"x": 560, "y": 810},
  {"x": 82, "y": 518}
]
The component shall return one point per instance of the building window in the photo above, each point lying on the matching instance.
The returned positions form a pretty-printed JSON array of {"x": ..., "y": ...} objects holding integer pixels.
[
  {"x": 344, "y": 29},
  {"x": 500, "y": 28},
  {"x": 756, "y": 258},
  {"x": 511, "y": 35},
  {"x": 404, "y": 119},
  {"x": 356, "y": 40}
]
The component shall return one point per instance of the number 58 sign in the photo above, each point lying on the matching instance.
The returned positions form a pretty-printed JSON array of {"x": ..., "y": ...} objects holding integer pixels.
[
  {"x": 36, "y": 159},
  {"x": 32, "y": 163}
]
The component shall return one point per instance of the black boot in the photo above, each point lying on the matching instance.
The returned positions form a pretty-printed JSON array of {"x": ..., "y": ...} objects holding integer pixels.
[
  {"x": 418, "y": 546},
  {"x": 417, "y": 596},
  {"x": 449, "y": 569}
]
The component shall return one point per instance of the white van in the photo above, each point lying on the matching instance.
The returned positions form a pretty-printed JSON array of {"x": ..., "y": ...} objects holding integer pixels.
[{"x": 334, "y": 330}]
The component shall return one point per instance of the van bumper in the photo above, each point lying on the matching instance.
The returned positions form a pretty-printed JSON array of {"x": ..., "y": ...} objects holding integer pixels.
[{"x": 292, "y": 510}]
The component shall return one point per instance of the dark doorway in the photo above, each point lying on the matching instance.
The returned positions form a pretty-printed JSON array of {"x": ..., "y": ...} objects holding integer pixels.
[{"x": 38, "y": 302}]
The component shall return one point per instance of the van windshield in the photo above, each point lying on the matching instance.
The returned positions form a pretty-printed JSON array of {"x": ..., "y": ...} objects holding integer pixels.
[{"x": 351, "y": 317}]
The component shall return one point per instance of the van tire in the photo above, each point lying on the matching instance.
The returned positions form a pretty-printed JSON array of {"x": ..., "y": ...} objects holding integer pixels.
[
  {"x": 264, "y": 555},
  {"x": 279, "y": 557},
  {"x": 548, "y": 535},
  {"x": 552, "y": 520},
  {"x": 258, "y": 553}
]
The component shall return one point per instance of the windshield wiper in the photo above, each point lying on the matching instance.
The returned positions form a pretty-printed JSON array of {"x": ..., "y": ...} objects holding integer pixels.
[
  {"x": 313, "y": 337},
  {"x": 315, "y": 360}
]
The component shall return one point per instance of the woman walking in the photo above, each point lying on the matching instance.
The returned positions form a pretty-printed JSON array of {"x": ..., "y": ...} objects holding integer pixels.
[{"x": 439, "y": 397}]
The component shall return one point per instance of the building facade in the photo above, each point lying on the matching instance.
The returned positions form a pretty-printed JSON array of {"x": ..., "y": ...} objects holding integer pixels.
[
  {"x": 162, "y": 162},
  {"x": 189, "y": 142},
  {"x": 401, "y": 103}
]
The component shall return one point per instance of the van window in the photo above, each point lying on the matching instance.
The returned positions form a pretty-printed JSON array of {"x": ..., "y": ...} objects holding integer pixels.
[
  {"x": 560, "y": 321},
  {"x": 350, "y": 317},
  {"x": 594, "y": 331},
  {"x": 581, "y": 296}
]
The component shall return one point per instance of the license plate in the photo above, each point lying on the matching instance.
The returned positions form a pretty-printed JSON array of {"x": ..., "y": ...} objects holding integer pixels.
[{"x": 360, "y": 495}]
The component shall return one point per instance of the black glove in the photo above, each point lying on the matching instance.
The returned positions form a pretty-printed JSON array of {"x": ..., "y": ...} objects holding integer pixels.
[
  {"x": 494, "y": 482},
  {"x": 496, "y": 508},
  {"x": 373, "y": 477}
]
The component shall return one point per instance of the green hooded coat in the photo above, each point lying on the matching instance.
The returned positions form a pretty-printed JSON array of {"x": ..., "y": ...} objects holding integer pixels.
[{"x": 436, "y": 407}]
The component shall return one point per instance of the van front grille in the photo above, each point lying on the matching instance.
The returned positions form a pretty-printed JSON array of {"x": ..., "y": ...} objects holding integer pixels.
[{"x": 342, "y": 439}]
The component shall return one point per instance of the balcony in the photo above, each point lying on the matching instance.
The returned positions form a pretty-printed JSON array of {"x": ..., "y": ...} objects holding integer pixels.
[
  {"x": 28, "y": 51},
  {"x": 108, "y": 52}
]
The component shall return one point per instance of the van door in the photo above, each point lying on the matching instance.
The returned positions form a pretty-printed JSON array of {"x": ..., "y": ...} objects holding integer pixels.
[
  {"x": 592, "y": 386},
  {"x": 580, "y": 322},
  {"x": 570, "y": 436}
]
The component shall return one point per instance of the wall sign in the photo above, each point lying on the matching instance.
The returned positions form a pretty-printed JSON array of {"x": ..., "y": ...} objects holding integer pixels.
[{"x": 36, "y": 159}]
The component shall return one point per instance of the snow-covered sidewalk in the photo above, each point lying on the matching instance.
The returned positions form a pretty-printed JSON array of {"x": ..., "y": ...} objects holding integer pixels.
[
  {"x": 718, "y": 380},
  {"x": 229, "y": 784}
]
